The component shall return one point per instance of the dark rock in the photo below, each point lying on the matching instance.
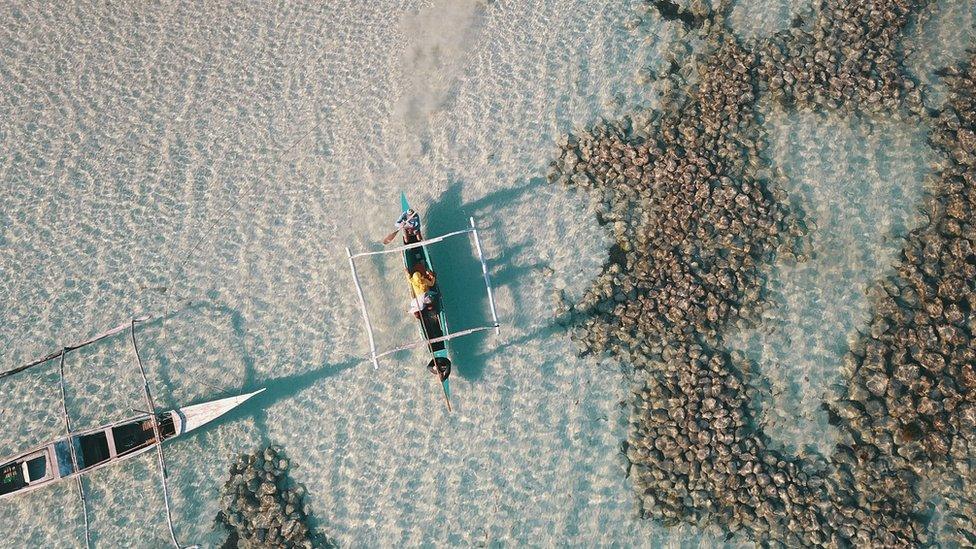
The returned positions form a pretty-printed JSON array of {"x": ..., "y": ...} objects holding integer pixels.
[{"x": 278, "y": 518}]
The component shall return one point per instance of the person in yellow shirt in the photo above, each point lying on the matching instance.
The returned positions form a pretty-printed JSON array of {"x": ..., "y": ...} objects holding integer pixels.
[{"x": 421, "y": 283}]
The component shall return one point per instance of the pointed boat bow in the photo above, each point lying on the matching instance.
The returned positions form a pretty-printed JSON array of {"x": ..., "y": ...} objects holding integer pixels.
[{"x": 197, "y": 415}]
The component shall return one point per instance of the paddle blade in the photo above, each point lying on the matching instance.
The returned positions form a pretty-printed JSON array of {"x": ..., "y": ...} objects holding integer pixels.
[{"x": 389, "y": 238}]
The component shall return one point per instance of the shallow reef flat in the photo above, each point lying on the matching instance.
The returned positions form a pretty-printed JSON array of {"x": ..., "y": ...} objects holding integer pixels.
[
  {"x": 707, "y": 216},
  {"x": 761, "y": 246}
]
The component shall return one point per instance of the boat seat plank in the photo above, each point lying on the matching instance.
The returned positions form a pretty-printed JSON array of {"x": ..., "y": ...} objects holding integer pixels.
[{"x": 62, "y": 453}]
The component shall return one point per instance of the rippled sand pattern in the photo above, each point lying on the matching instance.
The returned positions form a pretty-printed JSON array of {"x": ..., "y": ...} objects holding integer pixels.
[
  {"x": 859, "y": 184},
  {"x": 31, "y": 421},
  {"x": 254, "y": 143}
]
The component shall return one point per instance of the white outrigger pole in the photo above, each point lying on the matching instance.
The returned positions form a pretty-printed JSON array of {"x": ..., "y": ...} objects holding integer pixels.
[
  {"x": 362, "y": 304},
  {"x": 373, "y": 354},
  {"x": 154, "y": 419},
  {"x": 74, "y": 458},
  {"x": 484, "y": 270}
]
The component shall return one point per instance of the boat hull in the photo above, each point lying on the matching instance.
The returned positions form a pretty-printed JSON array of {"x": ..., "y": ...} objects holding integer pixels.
[
  {"x": 86, "y": 451},
  {"x": 433, "y": 321}
]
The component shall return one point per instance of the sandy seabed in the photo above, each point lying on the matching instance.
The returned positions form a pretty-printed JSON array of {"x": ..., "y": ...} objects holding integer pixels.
[{"x": 208, "y": 164}]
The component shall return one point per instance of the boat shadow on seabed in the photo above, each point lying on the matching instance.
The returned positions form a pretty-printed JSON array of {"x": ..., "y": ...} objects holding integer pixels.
[
  {"x": 213, "y": 376},
  {"x": 459, "y": 276}
]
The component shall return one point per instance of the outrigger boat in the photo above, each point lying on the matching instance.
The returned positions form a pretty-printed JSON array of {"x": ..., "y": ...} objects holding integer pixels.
[
  {"x": 434, "y": 330},
  {"x": 86, "y": 451},
  {"x": 81, "y": 452}
]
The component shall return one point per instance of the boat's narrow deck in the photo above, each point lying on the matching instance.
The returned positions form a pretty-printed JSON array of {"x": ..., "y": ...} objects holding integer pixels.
[
  {"x": 432, "y": 329},
  {"x": 416, "y": 259},
  {"x": 414, "y": 256}
]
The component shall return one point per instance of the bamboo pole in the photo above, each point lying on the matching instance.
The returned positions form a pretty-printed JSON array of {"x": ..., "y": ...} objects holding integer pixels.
[
  {"x": 448, "y": 337},
  {"x": 71, "y": 445},
  {"x": 362, "y": 303},
  {"x": 156, "y": 433},
  {"x": 484, "y": 270},
  {"x": 56, "y": 354},
  {"x": 413, "y": 244}
]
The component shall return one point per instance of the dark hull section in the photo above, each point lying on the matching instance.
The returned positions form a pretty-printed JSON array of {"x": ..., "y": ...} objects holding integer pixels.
[
  {"x": 432, "y": 329},
  {"x": 415, "y": 260}
]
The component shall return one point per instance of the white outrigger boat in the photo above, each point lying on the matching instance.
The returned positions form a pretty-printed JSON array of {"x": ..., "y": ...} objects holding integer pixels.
[
  {"x": 81, "y": 452},
  {"x": 86, "y": 451},
  {"x": 434, "y": 331}
]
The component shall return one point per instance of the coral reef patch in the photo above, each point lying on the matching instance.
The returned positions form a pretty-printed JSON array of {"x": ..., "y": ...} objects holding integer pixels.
[
  {"x": 262, "y": 507},
  {"x": 698, "y": 219},
  {"x": 848, "y": 58},
  {"x": 694, "y": 225},
  {"x": 910, "y": 396}
]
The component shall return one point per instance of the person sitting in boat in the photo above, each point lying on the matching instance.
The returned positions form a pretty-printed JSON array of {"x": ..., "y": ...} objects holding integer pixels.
[
  {"x": 421, "y": 303},
  {"x": 422, "y": 280},
  {"x": 409, "y": 222},
  {"x": 422, "y": 286}
]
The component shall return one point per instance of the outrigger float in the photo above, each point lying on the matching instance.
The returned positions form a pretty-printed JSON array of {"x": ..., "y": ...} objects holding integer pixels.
[
  {"x": 81, "y": 452},
  {"x": 434, "y": 332}
]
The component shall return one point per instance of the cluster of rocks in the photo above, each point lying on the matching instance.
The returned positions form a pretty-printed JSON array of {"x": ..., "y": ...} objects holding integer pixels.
[
  {"x": 694, "y": 226},
  {"x": 261, "y": 506},
  {"x": 849, "y": 57},
  {"x": 697, "y": 221},
  {"x": 696, "y": 456},
  {"x": 910, "y": 397}
]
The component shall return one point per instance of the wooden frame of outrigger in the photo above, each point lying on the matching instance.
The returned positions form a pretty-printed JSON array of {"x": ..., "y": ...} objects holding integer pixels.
[{"x": 373, "y": 355}]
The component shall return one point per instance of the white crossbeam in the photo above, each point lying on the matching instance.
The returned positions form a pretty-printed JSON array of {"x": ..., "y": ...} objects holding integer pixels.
[
  {"x": 413, "y": 245},
  {"x": 448, "y": 337}
]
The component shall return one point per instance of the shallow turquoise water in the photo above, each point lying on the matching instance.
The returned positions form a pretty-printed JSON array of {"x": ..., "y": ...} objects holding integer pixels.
[{"x": 208, "y": 164}]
